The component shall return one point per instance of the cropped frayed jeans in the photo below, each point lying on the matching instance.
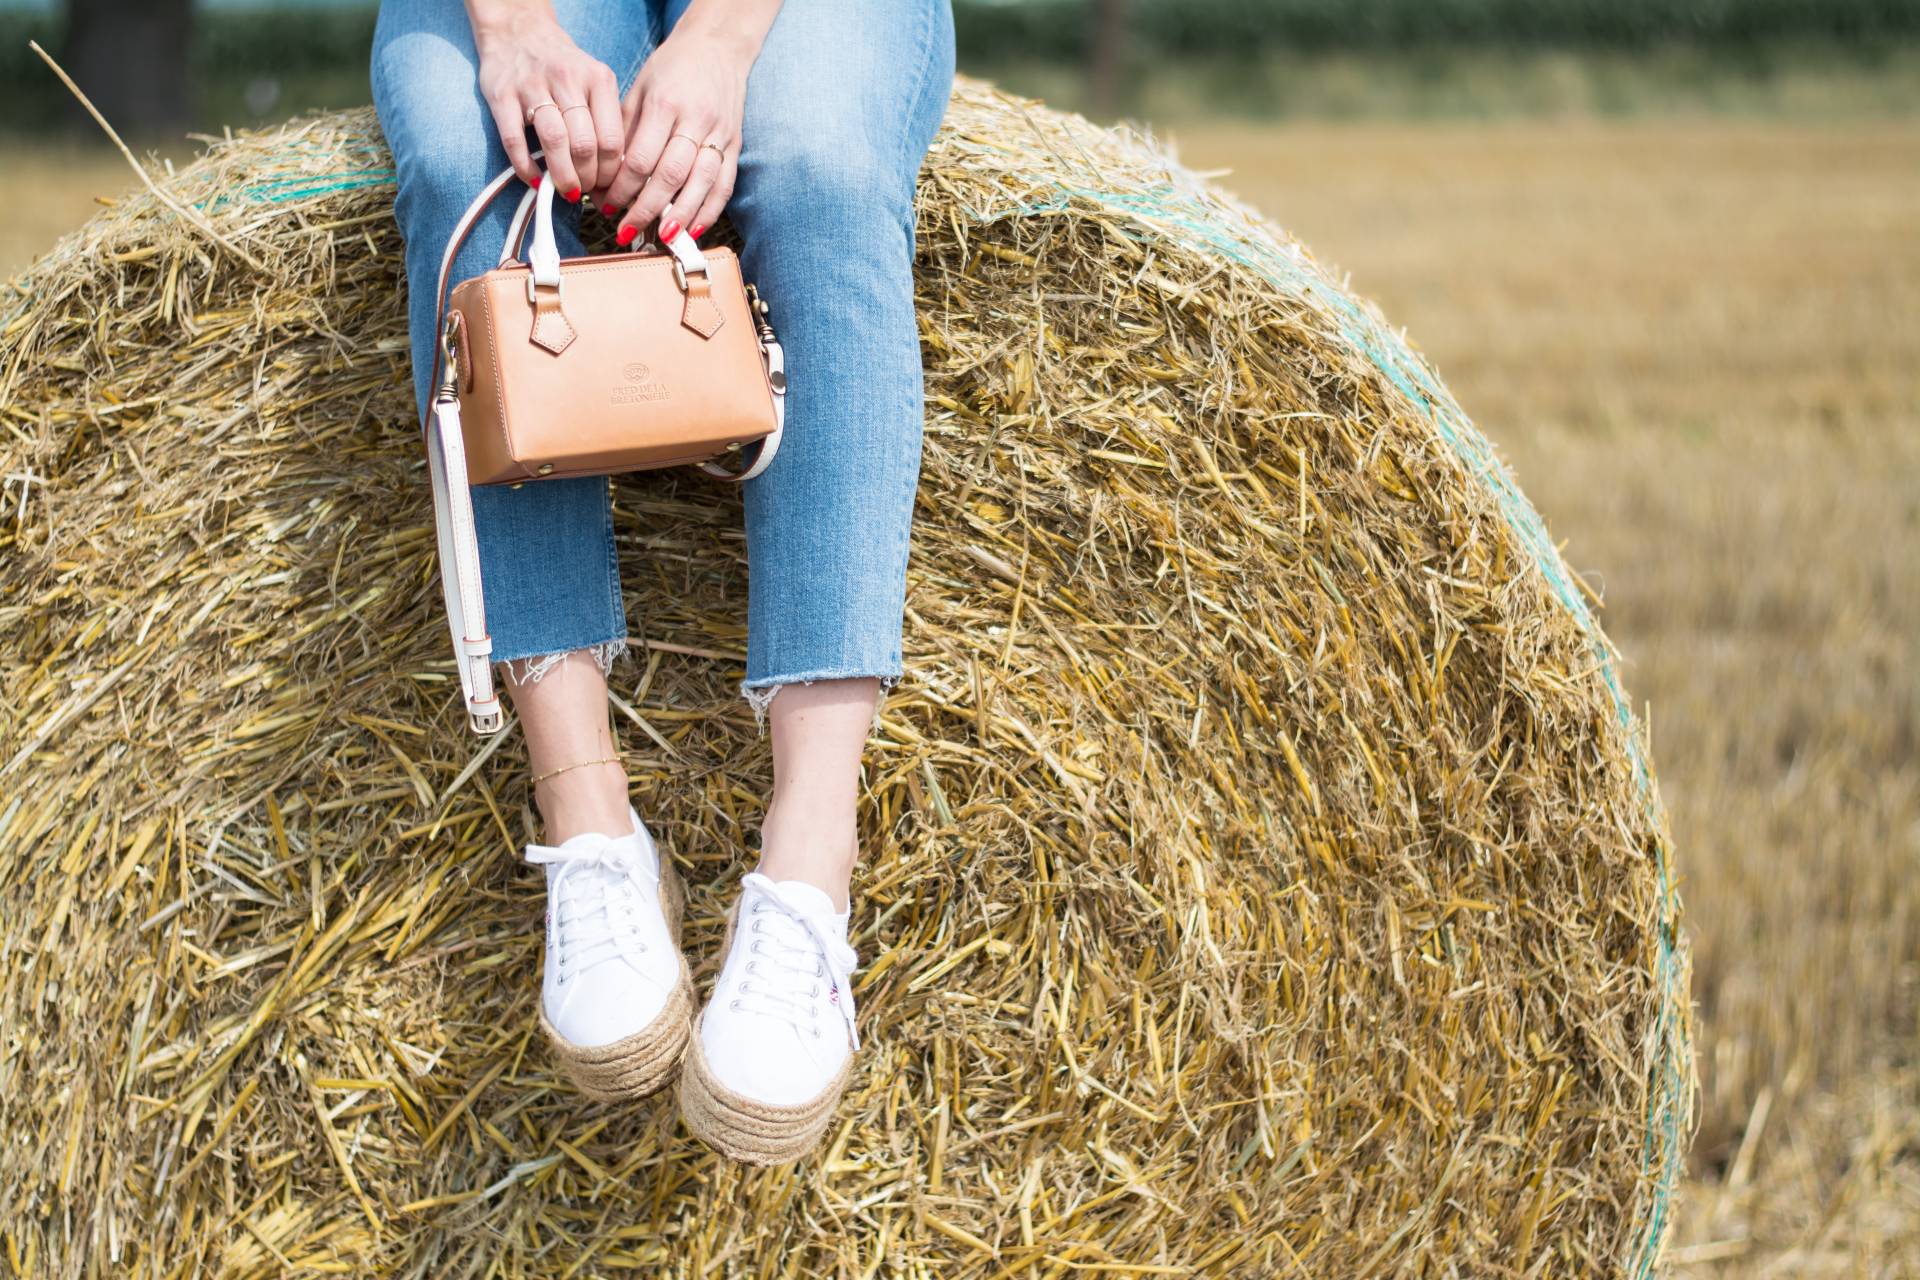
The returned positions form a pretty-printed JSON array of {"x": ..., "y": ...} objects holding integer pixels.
[{"x": 841, "y": 106}]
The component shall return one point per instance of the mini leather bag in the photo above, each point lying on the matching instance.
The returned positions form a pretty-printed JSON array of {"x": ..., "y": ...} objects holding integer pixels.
[{"x": 585, "y": 366}]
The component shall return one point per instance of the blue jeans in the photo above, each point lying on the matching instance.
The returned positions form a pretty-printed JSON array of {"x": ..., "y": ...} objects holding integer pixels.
[{"x": 841, "y": 106}]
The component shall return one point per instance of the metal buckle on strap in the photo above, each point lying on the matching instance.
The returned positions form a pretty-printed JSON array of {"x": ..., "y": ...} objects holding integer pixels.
[
  {"x": 680, "y": 274},
  {"x": 449, "y": 379}
]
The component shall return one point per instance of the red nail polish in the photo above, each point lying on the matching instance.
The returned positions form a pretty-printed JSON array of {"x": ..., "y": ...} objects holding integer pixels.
[
  {"x": 627, "y": 234},
  {"x": 536, "y": 179},
  {"x": 669, "y": 231},
  {"x": 574, "y": 195},
  {"x": 695, "y": 231},
  {"x": 607, "y": 208}
]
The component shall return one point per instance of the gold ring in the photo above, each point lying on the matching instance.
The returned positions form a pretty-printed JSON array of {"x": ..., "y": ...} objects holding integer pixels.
[
  {"x": 689, "y": 137},
  {"x": 578, "y": 106},
  {"x": 717, "y": 149},
  {"x": 536, "y": 106}
]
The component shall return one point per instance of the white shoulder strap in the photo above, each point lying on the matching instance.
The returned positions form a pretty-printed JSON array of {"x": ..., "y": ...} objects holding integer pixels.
[
  {"x": 460, "y": 563},
  {"x": 447, "y": 466}
]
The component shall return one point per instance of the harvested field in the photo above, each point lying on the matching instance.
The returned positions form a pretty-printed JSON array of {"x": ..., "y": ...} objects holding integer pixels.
[
  {"x": 1720, "y": 414},
  {"x": 1367, "y": 805}
]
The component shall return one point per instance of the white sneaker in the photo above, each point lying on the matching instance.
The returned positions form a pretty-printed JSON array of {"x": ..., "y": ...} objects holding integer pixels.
[
  {"x": 773, "y": 1047},
  {"x": 615, "y": 994}
]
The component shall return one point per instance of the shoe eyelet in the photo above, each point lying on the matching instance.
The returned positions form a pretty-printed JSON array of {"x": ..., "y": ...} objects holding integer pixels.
[
  {"x": 750, "y": 964},
  {"x": 734, "y": 1005}
]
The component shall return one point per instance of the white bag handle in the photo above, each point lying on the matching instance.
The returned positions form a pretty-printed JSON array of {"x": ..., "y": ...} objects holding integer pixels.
[{"x": 446, "y": 446}]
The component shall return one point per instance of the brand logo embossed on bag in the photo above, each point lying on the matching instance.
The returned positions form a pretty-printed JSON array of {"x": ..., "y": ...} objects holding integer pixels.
[{"x": 640, "y": 385}]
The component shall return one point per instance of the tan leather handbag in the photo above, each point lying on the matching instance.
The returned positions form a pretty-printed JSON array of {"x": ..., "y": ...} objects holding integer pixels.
[{"x": 584, "y": 366}]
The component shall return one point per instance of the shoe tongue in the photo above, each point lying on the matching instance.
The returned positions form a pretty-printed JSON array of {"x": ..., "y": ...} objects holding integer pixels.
[
  {"x": 630, "y": 847},
  {"x": 803, "y": 897}
]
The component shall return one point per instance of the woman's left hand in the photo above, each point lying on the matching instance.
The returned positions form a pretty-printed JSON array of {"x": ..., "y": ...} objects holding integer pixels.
[{"x": 683, "y": 118}]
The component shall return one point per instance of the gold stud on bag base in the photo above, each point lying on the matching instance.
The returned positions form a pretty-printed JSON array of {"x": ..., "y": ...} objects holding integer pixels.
[{"x": 597, "y": 365}]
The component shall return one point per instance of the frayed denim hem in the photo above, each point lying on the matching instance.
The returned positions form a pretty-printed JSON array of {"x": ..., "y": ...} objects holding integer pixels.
[
  {"x": 760, "y": 697},
  {"x": 528, "y": 670}
]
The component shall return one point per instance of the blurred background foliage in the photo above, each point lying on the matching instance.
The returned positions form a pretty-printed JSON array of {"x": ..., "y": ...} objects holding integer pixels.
[{"x": 232, "y": 63}]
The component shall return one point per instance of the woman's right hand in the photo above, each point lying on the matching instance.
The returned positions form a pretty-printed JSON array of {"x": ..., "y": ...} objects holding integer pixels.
[{"x": 528, "y": 61}]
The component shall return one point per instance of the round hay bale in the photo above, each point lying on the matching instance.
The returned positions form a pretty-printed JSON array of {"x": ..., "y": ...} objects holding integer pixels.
[{"x": 1265, "y": 874}]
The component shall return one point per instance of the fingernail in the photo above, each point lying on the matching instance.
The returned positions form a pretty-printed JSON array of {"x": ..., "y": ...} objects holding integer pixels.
[
  {"x": 695, "y": 231},
  {"x": 574, "y": 195},
  {"x": 627, "y": 234},
  {"x": 536, "y": 179},
  {"x": 669, "y": 231},
  {"x": 607, "y": 208}
]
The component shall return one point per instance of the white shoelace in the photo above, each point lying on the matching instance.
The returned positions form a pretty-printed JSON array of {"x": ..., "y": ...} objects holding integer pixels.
[
  {"x": 796, "y": 958},
  {"x": 595, "y": 897}
]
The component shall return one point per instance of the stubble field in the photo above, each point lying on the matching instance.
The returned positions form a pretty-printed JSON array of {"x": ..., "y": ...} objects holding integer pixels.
[{"x": 1698, "y": 343}]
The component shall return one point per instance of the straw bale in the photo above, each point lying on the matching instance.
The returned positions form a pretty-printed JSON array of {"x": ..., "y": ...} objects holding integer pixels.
[{"x": 1265, "y": 874}]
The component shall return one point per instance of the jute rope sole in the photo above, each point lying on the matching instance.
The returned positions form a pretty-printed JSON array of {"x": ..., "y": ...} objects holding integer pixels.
[
  {"x": 644, "y": 1062},
  {"x": 743, "y": 1128}
]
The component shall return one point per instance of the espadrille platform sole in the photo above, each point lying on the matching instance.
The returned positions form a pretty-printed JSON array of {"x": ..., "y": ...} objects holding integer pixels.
[
  {"x": 644, "y": 1062},
  {"x": 746, "y": 1129}
]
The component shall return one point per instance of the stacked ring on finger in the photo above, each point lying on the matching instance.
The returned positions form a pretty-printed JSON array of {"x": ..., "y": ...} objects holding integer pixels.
[
  {"x": 717, "y": 148},
  {"x": 536, "y": 107}
]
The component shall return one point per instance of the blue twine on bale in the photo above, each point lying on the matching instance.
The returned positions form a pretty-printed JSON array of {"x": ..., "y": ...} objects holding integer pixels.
[
  {"x": 1171, "y": 207},
  {"x": 281, "y": 190},
  {"x": 377, "y": 171}
]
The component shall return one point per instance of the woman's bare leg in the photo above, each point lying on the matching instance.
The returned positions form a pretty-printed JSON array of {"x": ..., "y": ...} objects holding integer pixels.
[
  {"x": 566, "y": 721},
  {"x": 819, "y": 731}
]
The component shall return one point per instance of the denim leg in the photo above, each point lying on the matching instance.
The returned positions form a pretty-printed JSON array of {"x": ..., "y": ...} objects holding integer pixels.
[
  {"x": 842, "y": 104},
  {"x": 547, "y": 557}
]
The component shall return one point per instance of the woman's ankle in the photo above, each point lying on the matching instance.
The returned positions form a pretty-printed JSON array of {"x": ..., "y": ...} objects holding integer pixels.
[
  {"x": 817, "y": 845},
  {"x": 590, "y": 799}
]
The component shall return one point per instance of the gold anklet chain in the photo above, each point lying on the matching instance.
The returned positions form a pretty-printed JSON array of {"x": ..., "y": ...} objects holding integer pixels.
[{"x": 542, "y": 777}]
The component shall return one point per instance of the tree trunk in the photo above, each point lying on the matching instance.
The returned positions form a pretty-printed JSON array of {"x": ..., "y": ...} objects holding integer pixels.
[
  {"x": 130, "y": 57},
  {"x": 1108, "y": 52}
]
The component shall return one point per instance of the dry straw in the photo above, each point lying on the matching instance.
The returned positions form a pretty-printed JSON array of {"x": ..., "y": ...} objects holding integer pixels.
[{"x": 1264, "y": 873}]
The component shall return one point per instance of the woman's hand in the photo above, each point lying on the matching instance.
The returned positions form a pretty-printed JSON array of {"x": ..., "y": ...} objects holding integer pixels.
[
  {"x": 531, "y": 71},
  {"x": 683, "y": 135}
]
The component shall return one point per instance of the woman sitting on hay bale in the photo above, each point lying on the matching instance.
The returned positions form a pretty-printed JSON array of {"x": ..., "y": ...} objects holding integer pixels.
[{"x": 648, "y": 115}]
